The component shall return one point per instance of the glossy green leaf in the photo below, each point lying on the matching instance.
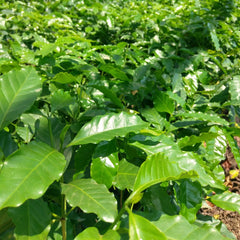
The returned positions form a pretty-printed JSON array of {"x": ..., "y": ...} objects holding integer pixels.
[
  {"x": 172, "y": 151},
  {"x": 212, "y": 118},
  {"x": 234, "y": 147},
  {"x": 18, "y": 90},
  {"x": 91, "y": 233},
  {"x": 105, "y": 163},
  {"x": 91, "y": 197},
  {"x": 178, "y": 228},
  {"x": 235, "y": 90},
  {"x": 103, "y": 169},
  {"x": 107, "y": 127},
  {"x": 126, "y": 175},
  {"x": 159, "y": 168},
  {"x": 140, "y": 228},
  {"x": 227, "y": 200},
  {"x": 28, "y": 172},
  {"x": 32, "y": 219},
  {"x": 163, "y": 103}
]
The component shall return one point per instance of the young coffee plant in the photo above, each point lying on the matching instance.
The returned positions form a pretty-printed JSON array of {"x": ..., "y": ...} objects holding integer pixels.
[{"x": 115, "y": 116}]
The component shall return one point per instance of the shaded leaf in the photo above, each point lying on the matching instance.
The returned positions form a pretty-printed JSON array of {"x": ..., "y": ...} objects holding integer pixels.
[
  {"x": 32, "y": 219},
  {"x": 18, "y": 90},
  {"x": 190, "y": 197},
  {"x": 28, "y": 172},
  {"x": 163, "y": 103},
  {"x": 126, "y": 175},
  {"x": 115, "y": 72},
  {"x": 108, "y": 93},
  {"x": 91, "y": 197},
  {"x": 107, "y": 127},
  {"x": 60, "y": 99}
]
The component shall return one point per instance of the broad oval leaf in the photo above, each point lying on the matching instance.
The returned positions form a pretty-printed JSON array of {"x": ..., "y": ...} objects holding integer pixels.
[
  {"x": 159, "y": 168},
  {"x": 91, "y": 198},
  {"x": 163, "y": 103},
  {"x": 107, "y": 127},
  {"x": 178, "y": 228},
  {"x": 91, "y": 233},
  {"x": 18, "y": 90},
  {"x": 126, "y": 175},
  {"x": 28, "y": 172},
  {"x": 227, "y": 200},
  {"x": 140, "y": 228},
  {"x": 32, "y": 218}
]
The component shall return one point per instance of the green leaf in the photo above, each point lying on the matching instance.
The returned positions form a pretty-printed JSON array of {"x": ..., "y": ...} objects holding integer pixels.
[
  {"x": 190, "y": 84},
  {"x": 140, "y": 228},
  {"x": 91, "y": 233},
  {"x": 152, "y": 116},
  {"x": 190, "y": 197},
  {"x": 178, "y": 228},
  {"x": 91, "y": 197},
  {"x": 159, "y": 168},
  {"x": 64, "y": 77},
  {"x": 103, "y": 169},
  {"x": 115, "y": 72},
  {"x": 28, "y": 172},
  {"x": 214, "y": 36},
  {"x": 172, "y": 151},
  {"x": 105, "y": 163},
  {"x": 7, "y": 144},
  {"x": 192, "y": 140},
  {"x": 109, "y": 94},
  {"x": 60, "y": 99},
  {"x": 227, "y": 200},
  {"x": 18, "y": 90},
  {"x": 107, "y": 127},
  {"x": 126, "y": 175},
  {"x": 32, "y": 219},
  {"x": 212, "y": 118},
  {"x": 235, "y": 90},
  {"x": 163, "y": 103}
]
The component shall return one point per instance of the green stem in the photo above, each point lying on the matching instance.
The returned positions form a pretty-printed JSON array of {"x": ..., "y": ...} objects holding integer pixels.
[{"x": 123, "y": 209}]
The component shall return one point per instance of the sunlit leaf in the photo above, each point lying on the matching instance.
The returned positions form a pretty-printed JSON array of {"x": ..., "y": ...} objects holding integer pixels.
[
  {"x": 18, "y": 90},
  {"x": 107, "y": 127},
  {"x": 28, "y": 172},
  {"x": 91, "y": 197}
]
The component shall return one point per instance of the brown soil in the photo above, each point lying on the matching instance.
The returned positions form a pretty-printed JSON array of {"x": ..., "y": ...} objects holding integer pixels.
[{"x": 230, "y": 219}]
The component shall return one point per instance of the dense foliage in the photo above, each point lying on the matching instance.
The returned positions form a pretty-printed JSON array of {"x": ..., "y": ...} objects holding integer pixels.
[{"x": 114, "y": 117}]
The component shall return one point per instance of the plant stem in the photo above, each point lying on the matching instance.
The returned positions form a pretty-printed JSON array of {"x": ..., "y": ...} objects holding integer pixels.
[
  {"x": 119, "y": 216},
  {"x": 63, "y": 218}
]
